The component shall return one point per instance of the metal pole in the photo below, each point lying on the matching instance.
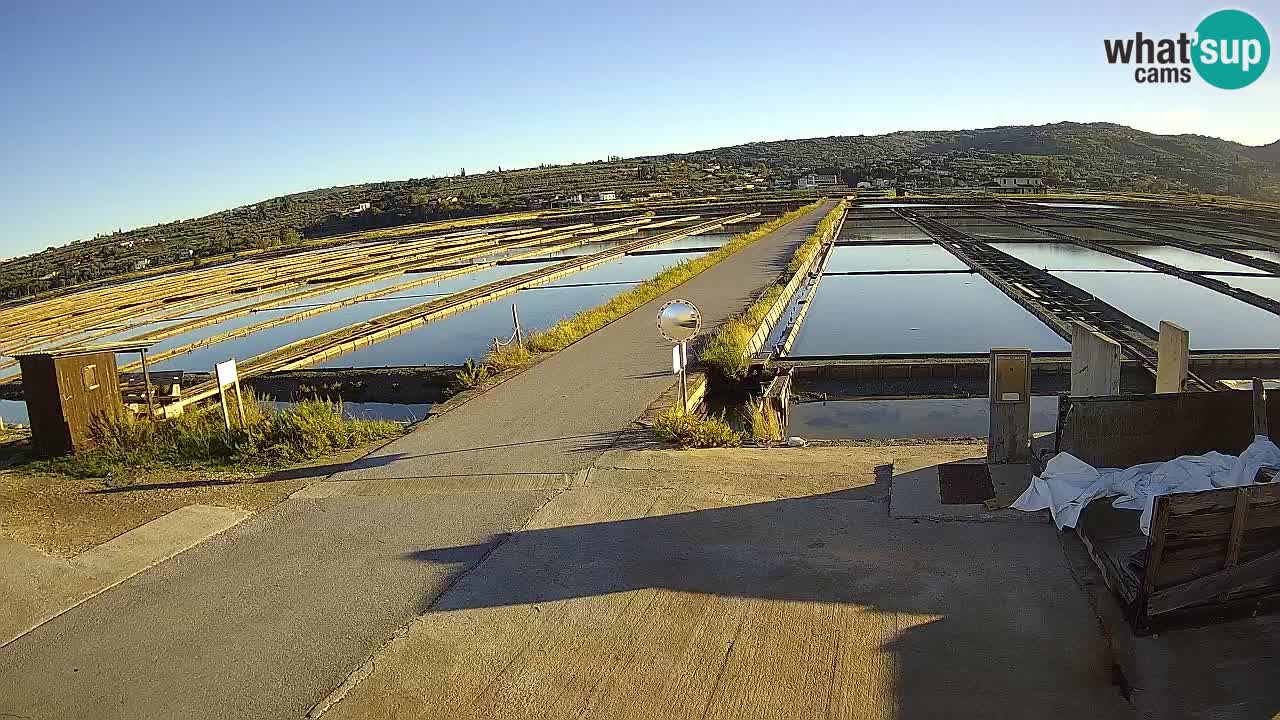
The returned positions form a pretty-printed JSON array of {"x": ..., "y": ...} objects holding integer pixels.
[
  {"x": 146, "y": 381},
  {"x": 684, "y": 373}
]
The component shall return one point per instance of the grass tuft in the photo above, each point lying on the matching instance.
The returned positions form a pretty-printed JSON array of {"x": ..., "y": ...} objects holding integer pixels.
[
  {"x": 679, "y": 426},
  {"x": 470, "y": 375},
  {"x": 764, "y": 423},
  {"x": 269, "y": 438}
]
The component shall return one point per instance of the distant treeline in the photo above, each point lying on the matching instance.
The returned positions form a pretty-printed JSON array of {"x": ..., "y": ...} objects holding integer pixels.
[{"x": 1099, "y": 156}]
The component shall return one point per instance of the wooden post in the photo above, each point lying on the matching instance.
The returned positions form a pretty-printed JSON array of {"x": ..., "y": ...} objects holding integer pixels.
[
  {"x": 1174, "y": 353},
  {"x": 515, "y": 318},
  {"x": 146, "y": 381},
  {"x": 1095, "y": 363},
  {"x": 1259, "y": 408}
]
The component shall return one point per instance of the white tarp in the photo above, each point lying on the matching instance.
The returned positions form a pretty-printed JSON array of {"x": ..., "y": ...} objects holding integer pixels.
[{"x": 1068, "y": 484}]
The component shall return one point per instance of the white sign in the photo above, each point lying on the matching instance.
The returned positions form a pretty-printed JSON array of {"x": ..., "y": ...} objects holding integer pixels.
[
  {"x": 226, "y": 373},
  {"x": 677, "y": 359}
]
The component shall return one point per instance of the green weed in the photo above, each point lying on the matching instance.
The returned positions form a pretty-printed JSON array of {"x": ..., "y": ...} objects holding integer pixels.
[
  {"x": 683, "y": 428},
  {"x": 268, "y": 438}
]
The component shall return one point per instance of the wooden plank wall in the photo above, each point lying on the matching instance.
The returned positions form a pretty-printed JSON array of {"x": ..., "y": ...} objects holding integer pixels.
[{"x": 1131, "y": 429}]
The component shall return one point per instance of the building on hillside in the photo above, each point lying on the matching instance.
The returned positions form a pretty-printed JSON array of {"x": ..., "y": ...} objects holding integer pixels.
[
  {"x": 602, "y": 196},
  {"x": 813, "y": 180},
  {"x": 864, "y": 185},
  {"x": 1017, "y": 185}
]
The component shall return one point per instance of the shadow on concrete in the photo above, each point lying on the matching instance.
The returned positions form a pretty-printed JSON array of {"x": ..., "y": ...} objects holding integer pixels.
[
  {"x": 324, "y": 471},
  {"x": 654, "y": 374},
  {"x": 300, "y": 473},
  {"x": 597, "y": 442},
  {"x": 980, "y": 616}
]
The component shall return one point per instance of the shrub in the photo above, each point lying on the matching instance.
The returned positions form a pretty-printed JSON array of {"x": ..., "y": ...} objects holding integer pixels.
[
  {"x": 471, "y": 375},
  {"x": 198, "y": 438},
  {"x": 679, "y": 426}
]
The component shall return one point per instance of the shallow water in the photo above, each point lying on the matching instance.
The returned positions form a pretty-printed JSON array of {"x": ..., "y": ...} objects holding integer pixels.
[
  {"x": 910, "y": 314},
  {"x": 1272, "y": 255},
  {"x": 911, "y": 418},
  {"x": 14, "y": 412},
  {"x": 1188, "y": 259},
  {"x": 1216, "y": 321},
  {"x": 1065, "y": 256},
  {"x": 1265, "y": 285},
  {"x": 879, "y": 258},
  {"x": 469, "y": 334}
]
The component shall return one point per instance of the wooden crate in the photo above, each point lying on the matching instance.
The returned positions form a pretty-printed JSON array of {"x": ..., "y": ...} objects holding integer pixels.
[{"x": 1211, "y": 556}]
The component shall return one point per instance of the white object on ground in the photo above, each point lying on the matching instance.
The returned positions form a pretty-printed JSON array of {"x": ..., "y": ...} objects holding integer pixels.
[
  {"x": 1068, "y": 484},
  {"x": 796, "y": 441}
]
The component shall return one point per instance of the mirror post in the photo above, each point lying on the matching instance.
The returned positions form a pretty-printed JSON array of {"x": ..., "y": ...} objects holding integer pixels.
[{"x": 684, "y": 375}]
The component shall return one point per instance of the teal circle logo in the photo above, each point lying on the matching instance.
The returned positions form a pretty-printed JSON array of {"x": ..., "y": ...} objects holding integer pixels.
[{"x": 1232, "y": 49}]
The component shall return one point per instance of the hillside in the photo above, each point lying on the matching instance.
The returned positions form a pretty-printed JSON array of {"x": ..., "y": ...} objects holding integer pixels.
[{"x": 1100, "y": 156}]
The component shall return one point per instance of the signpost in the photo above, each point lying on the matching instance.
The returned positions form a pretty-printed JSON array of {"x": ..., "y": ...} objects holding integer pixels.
[
  {"x": 679, "y": 321},
  {"x": 227, "y": 377}
]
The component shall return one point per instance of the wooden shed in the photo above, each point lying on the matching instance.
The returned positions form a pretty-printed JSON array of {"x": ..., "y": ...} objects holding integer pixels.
[{"x": 66, "y": 388}]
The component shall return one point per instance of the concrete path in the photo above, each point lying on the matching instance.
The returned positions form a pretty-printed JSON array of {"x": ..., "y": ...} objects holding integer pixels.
[
  {"x": 38, "y": 587},
  {"x": 268, "y": 618},
  {"x": 561, "y": 414},
  {"x": 757, "y": 584}
]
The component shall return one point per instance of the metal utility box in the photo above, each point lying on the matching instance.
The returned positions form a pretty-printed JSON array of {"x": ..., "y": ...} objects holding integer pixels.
[
  {"x": 1010, "y": 396},
  {"x": 65, "y": 389}
]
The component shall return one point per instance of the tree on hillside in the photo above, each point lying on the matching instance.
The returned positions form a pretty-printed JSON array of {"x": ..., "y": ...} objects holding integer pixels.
[{"x": 289, "y": 236}]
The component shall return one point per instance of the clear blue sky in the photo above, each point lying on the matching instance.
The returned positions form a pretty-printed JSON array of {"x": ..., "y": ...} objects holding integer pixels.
[{"x": 120, "y": 114}]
